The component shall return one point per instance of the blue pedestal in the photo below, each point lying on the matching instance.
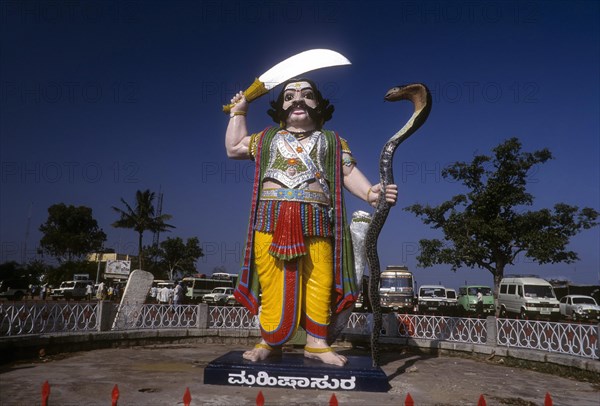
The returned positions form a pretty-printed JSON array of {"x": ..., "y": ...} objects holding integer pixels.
[{"x": 291, "y": 370}]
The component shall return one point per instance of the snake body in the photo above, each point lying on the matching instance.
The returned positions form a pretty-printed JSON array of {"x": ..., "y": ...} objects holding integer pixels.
[{"x": 420, "y": 96}]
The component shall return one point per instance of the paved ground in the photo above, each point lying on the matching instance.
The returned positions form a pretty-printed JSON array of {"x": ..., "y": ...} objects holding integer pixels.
[{"x": 160, "y": 374}]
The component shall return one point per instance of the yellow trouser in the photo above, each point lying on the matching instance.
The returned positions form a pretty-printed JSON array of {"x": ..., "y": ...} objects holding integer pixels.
[{"x": 294, "y": 291}]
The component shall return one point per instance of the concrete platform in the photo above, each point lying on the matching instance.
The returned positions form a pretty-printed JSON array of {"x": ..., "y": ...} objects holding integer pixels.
[
  {"x": 294, "y": 370},
  {"x": 159, "y": 375}
]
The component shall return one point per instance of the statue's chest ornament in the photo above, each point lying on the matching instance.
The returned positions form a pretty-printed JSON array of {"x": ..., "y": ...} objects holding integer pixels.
[
  {"x": 291, "y": 170},
  {"x": 286, "y": 151},
  {"x": 286, "y": 163}
]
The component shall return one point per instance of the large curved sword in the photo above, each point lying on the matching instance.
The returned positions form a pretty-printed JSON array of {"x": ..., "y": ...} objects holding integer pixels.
[{"x": 291, "y": 67}]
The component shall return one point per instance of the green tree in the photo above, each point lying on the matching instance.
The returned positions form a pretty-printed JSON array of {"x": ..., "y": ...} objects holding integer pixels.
[
  {"x": 15, "y": 275},
  {"x": 70, "y": 233},
  {"x": 142, "y": 217},
  {"x": 219, "y": 269},
  {"x": 66, "y": 271},
  {"x": 488, "y": 226},
  {"x": 177, "y": 255},
  {"x": 13, "y": 271},
  {"x": 152, "y": 263},
  {"x": 38, "y": 271}
]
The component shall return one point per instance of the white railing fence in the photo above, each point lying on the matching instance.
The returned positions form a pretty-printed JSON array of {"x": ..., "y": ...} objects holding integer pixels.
[
  {"x": 47, "y": 317},
  {"x": 456, "y": 329},
  {"x": 464, "y": 330},
  {"x": 566, "y": 338},
  {"x": 18, "y": 319},
  {"x": 235, "y": 317},
  {"x": 157, "y": 316}
]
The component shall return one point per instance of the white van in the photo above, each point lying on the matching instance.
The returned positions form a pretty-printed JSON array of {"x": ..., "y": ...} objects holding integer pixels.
[
  {"x": 528, "y": 297},
  {"x": 431, "y": 299}
]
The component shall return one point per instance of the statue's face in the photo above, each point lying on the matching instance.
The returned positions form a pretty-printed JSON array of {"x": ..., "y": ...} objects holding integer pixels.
[
  {"x": 300, "y": 104},
  {"x": 297, "y": 95}
]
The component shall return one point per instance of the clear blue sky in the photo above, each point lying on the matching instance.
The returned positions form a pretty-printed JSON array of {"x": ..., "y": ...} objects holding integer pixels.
[{"x": 100, "y": 99}]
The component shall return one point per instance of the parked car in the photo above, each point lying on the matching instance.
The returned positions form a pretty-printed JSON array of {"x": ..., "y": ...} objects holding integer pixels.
[
  {"x": 527, "y": 297},
  {"x": 15, "y": 289},
  {"x": 218, "y": 296},
  {"x": 432, "y": 299},
  {"x": 231, "y": 301},
  {"x": 467, "y": 299},
  {"x": 451, "y": 302},
  {"x": 579, "y": 307},
  {"x": 71, "y": 290}
]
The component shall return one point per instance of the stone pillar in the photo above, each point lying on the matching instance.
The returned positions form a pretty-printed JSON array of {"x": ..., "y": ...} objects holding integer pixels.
[
  {"x": 390, "y": 324},
  {"x": 134, "y": 297},
  {"x": 105, "y": 315},
  {"x": 597, "y": 344},
  {"x": 492, "y": 332},
  {"x": 202, "y": 322}
]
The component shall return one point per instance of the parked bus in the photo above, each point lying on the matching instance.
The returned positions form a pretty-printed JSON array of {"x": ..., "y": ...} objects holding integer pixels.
[
  {"x": 198, "y": 287},
  {"x": 396, "y": 291}
]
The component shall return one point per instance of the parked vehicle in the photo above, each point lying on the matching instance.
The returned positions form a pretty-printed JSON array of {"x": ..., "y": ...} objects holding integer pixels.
[
  {"x": 432, "y": 299},
  {"x": 15, "y": 289},
  {"x": 467, "y": 299},
  {"x": 218, "y": 296},
  {"x": 231, "y": 301},
  {"x": 579, "y": 307},
  {"x": 197, "y": 288},
  {"x": 527, "y": 297},
  {"x": 396, "y": 291},
  {"x": 71, "y": 290},
  {"x": 451, "y": 302}
]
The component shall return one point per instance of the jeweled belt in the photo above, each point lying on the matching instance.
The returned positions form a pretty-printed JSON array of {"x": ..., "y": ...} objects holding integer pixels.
[{"x": 295, "y": 195}]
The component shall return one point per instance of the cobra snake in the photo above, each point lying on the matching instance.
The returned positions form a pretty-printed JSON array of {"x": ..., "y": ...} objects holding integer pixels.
[{"x": 420, "y": 96}]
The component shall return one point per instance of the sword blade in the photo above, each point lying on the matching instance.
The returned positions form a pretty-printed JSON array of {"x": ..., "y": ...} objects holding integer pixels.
[
  {"x": 291, "y": 67},
  {"x": 301, "y": 63}
]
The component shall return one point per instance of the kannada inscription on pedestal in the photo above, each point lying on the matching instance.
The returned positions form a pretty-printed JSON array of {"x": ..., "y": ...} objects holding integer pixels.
[{"x": 293, "y": 370}]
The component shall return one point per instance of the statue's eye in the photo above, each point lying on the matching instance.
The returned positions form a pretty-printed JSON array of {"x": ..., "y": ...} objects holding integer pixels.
[
  {"x": 309, "y": 95},
  {"x": 288, "y": 96}
]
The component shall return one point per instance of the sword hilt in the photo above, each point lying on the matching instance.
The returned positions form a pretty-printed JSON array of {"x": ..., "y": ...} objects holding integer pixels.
[{"x": 254, "y": 91}]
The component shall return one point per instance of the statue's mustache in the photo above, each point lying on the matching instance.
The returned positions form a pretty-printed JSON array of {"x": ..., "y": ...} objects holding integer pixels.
[
  {"x": 312, "y": 112},
  {"x": 298, "y": 103}
]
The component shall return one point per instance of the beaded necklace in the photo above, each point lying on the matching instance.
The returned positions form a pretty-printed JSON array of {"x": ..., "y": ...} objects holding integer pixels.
[{"x": 300, "y": 135}]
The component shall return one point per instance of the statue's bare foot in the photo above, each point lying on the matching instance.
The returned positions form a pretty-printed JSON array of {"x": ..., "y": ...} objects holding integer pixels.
[
  {"x": 325, "y": 355},
  {"x": 260, "y": 352}
]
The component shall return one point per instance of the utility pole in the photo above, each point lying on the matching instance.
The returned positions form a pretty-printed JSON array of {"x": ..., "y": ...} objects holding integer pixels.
[
  {"x": 99, "y": 260},
  {"x": 156, "y": 237},
  {"x": 159, "y": 202},
  {"x": 27, "y": 227}
]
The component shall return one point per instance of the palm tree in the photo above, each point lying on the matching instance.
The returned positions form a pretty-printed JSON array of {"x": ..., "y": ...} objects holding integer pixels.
[{"x": 142, "y": 218}]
